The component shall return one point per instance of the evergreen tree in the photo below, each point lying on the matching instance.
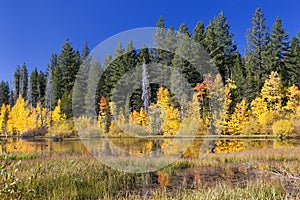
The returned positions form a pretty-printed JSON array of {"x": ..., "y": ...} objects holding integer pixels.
[
  {"x": 239, "y": 78},
  {"x": 257, "y": 39},
  {"x": 104, "y": 87},
  {"x": 69, "y": 62},
  {"x": 199, "y": 33},
  {"x": 220, "y": 45},
  {"x": 49, "y": 99},
  {"x": 34, "y": 87},
  {"x": 291, "y": 74},
  {"x": 23, "y": 81},
  {"x": 160, "y": 31},
  {"x": 64, "y": 76},
  {"x": 85, "y": 52},
  {"x": 16, "y": 84},
  {"x": 125, "y": 83},
  {"x": 42, "y": 81},
  {"x": 90, "y": 106},
  {"x": 4, "y": 93},
  {"x": 279, "y": 45}
]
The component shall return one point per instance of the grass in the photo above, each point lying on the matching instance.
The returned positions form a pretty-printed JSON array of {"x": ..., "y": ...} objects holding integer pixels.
[{"x": 256, "y": 174}]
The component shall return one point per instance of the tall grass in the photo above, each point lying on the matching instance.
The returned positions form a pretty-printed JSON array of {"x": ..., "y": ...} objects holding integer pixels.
[{"x": 86, "y": 178}]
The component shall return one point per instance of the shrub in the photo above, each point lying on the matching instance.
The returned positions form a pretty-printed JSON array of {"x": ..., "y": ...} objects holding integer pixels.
[
  {"x": 251, "y": 127},
  {"x": 63, "y": 129},
  {"x": 282, "y": 127}
]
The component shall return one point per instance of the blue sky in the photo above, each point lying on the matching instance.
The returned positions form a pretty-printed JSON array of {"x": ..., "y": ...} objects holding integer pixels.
[{"x": 30, "y": 31}]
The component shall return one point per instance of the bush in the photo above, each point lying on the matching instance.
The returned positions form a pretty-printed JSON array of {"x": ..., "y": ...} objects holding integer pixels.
[
  {"x": 296, "y": 125},
  {"x": 63, "y": 129},
  {"x": 282, "y": 127},
  {"x": 251, "y": 127}
]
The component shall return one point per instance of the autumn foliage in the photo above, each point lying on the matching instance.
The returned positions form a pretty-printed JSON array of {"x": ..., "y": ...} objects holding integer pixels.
[{"x": 275, "y": 111}]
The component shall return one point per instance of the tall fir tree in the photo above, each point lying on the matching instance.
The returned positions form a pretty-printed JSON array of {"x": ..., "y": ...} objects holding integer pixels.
[
  {"x": 85, "y": 52},
  {"x": 16, "y": 84},
  {"x": 64, "y": 76},
  {"x": 291, "y": 74},
  {"x": 42, "y": 81},
  {"x": 4, "y": 93},
  {"x": 199, "y": 33},
  {"x": 34, "y": 82},
  {"x": 255, "y": 62},
  {"x": 23, "y": 81},
  {"x": 220, "y": 45},
  {"x": 279, "y": 44}
]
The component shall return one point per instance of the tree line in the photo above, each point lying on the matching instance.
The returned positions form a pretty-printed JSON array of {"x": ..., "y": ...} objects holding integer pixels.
[{"x": 269, "y": 52}]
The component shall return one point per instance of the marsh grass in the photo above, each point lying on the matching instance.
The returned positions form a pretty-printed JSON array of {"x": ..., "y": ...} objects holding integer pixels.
[{"x": 275, "y": 172}]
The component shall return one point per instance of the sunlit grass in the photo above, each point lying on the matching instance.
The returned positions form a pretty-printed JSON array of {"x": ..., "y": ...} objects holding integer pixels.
[{"x": 69, "y": 177}]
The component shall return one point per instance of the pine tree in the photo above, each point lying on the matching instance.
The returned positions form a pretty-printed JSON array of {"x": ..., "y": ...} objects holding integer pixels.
[
  {"x": 23, "y": 81},
  {"x": 239, "y": 77},
  {"x": 220, "y": 45},
  {"x": 34, "y": 87},
  {"x": 255, "y": 61},
  {"x": 199, "y": 33},
  {"x": 160, "y": 33},
  {"x": 69, "y": 61},
  {"x": 291, "y": 72},
  {"x": 16, "y": 85},
  {"x": 42, "y": 81},
  {"x": 279, "y": 45},
  {"x": 90, "y": 100},
  {"x": 4, "y": 93},
  {"x": 64, "y": 76},
  {"x": 85, "y": 52},
  {"x": 124, "y": 85}
]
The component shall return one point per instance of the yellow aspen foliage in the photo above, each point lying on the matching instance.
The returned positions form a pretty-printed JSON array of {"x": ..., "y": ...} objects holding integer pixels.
[
  {"x": 259, "y": 107},
  {"x": 227, "y": 146},
  {"x": 147, "y": 147},
  {"x": 17, "y": 118},
  {"x": 134, "y": 117},
  {"x": 216, "y": 95},
  {"x": 112, "y": 109},
  {"x": 283, "y": 127},
  {"x": 271, "y": 92},
  {"x": 263, "y": 116},
  {"x": 163, "y": 97},
  {"x": 293, "y": 96},
  {"x": 102, "y": 114},
  {"x": 193, "y": 122},
  {"x": 57, "y": 116},
  {"x": 143, "y": 118},
  {"x": 32, "y": 120},
  {"x": 4, "y": 112},
  {"x": 238, "y": 119},
  {"x": 121, "y": 117},
  {"x": 226, "y": 115},
  {"x": 171, "y": 122}
]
